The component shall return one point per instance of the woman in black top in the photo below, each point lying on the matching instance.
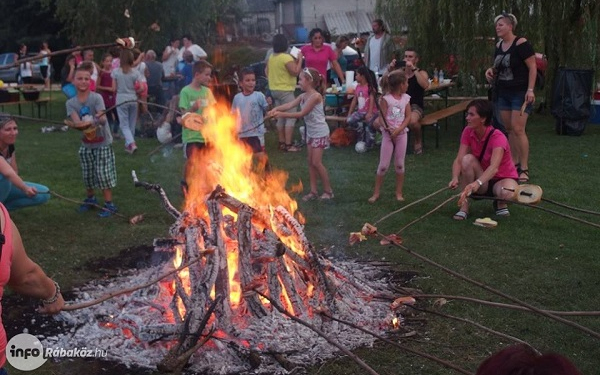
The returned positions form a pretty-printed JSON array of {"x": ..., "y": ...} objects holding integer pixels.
[{"x": 513, "y": 78}]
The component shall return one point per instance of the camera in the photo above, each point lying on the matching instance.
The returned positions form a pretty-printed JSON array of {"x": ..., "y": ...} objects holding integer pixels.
[{"x": 400, "y": 64}]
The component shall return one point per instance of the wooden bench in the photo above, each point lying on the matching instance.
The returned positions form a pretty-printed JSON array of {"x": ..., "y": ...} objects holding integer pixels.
[
  {"x": 336, "y": 118},
  {"x": 434, "y": 118},
  {"x": 42, "y": 102}
]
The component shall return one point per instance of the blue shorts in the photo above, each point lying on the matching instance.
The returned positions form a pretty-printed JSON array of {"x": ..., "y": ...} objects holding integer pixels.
[{"x": 510, "y": 100}]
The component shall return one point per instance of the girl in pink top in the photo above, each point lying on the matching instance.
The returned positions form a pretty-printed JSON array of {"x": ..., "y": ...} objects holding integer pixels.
[
  {"x": 483, "y": 163},
  {"x": 364, "y": 103},
  {"x": 395, "y": 106},
  {"x": 317, "y": 55}
]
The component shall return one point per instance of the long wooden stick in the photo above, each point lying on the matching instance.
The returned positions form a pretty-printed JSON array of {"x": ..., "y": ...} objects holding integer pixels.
[
  {"x": 497, "y": 292},
  {"x": 57, "y": 53},
  {"x": 410, "y": 205},
  {"x": 344, "y": 350},
  {"x": 402, "y": 347},
  {"x": 77, "y": 306},
  {"x": 478, "y": 325},
  {"x": 499, "y": 304},
  {"x": 427, "y": 214}
]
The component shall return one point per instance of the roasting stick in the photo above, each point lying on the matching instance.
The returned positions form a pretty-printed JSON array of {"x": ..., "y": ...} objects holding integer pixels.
[
  {"x": 405, "y": 348},
  {"x": 344, "y": 350},
  {"x": 77, "y": 306},
  {"x": 492, "y": 290}
]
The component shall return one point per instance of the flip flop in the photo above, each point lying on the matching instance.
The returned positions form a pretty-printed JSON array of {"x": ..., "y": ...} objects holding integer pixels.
[
  {"x": 460, "y": 215},
  {"x": 310, "y": 196}
]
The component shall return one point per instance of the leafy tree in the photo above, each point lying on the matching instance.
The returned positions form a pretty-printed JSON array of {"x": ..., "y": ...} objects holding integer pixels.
[
  {"x": 565, "y": 30},
  {"x": 100, "y": 21}
]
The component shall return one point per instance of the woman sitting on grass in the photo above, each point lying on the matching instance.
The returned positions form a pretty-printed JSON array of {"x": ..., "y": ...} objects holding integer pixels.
[
  {"x": 483, "y": 164},
  {"x": 14, "y": 192}
]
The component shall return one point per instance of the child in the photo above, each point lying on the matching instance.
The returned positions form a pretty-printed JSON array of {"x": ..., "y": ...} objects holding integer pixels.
[
  {"x": 185, "y": 70},
  {"x": 252, "y": 106},
  {"x": 104, "y": 86},
  {"x": 395, "y": 106},
  {"x": 125, "y": 78},
  {"x": 364, "y": 102},
  {"x": 89, "y": 66},
  {"x": 195, "y": 97},
  {"x": 317, "y": 130},
  {"x": 95, "y": 153}
]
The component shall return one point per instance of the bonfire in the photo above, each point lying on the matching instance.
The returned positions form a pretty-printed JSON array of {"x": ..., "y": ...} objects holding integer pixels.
[{"x": 250, "y": 292}]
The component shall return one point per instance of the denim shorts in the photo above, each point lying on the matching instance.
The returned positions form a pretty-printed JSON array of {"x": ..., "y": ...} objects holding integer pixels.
[{"x": 511, "y": 100}]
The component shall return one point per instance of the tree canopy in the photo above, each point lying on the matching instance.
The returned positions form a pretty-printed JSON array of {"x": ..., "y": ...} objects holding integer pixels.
[{"x": 566, "y": 31}]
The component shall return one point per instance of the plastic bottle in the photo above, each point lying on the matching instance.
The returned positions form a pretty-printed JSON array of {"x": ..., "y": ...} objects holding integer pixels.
[
  {"x": 441, "y": 76},
  {"x": 435, "y": 77}
]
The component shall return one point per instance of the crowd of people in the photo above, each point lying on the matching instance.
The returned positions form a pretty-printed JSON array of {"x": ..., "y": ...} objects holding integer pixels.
[{"x": 104, "y": 100}]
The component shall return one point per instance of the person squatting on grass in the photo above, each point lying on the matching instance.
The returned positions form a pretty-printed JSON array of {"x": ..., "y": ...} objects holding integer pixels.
[
  {"x": 317, "y": 130},
  {"x": 96, "y": 155},
  {"x": 483, "y": 164},
  {"x": 125, "y": 81},
  {"x": 251, "y": 105},
  {"x": 23, "y": 276},
  {"x": 395, "y": 106},
  {"x": 195, "y": 97},
  {"x": 14, "y": 192},
  {"x": 364, "y": 103}
]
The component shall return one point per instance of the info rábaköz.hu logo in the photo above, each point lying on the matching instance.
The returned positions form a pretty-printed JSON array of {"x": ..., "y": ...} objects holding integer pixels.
[{"x": 25, "y": 352}]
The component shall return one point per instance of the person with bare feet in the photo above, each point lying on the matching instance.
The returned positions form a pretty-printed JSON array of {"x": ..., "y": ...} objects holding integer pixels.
[
  {"x": 395, "y": 106},
  {"x": 483, "y": 164}
]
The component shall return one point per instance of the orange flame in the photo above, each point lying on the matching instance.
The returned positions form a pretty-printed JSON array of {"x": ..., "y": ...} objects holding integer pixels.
[{"x": 229, "y": 163}]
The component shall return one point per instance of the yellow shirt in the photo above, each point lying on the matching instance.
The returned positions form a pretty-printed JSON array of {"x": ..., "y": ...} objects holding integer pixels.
[{"x": 279, "y": 77}]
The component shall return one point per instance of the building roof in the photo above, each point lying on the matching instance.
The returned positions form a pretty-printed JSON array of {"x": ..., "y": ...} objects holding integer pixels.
[{"x": 341, "y": 23}]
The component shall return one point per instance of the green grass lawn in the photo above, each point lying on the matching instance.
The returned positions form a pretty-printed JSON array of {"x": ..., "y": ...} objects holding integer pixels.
[{"x": 545, "y": 260}]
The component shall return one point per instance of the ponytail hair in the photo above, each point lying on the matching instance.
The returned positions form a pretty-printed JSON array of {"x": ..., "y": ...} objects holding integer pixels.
[
  {"x": 370, "y": 77},
  {"x": 392, "y": 80}
]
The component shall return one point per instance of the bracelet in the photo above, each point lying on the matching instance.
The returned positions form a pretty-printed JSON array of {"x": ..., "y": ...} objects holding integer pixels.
[
  {"x": 415, "y": 69},
  {"x": 54, "y": 298},
  {"x": 479, "y": 182}
]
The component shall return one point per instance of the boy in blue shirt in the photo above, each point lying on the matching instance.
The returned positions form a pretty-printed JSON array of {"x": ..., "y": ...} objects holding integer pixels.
[{"x": 252, "y": 106}]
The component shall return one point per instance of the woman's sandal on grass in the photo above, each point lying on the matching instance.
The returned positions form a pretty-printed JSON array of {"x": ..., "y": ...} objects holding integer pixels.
[
  {"x": 327, "y": 195},
  {"x": 526, "y": 173},
  {"x": 310, "y": 196},
  {"x": 460, "y": 215}
]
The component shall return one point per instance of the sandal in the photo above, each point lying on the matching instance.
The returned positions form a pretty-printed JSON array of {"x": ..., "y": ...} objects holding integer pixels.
[
  {"x": 500, "y": 211},
  {"x": 310, "y": 196},
  {"x": 292, "y": 148},
  {"x": 418, "y": 150},
  {"x": 460, "y": 215},
  {"x": 282, "y": 146},
  {"x": 326, "y": 195},
  {"x": 526, "y": 173}
]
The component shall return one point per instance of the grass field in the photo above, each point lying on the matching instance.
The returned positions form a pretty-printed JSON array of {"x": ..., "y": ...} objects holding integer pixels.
[{"x": 546, "y": 260}]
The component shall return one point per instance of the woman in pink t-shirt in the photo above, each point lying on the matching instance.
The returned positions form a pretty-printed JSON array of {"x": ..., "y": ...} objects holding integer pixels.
[
  {"x": 317, "y": 55},
  {"x": 483, "y": 163}
]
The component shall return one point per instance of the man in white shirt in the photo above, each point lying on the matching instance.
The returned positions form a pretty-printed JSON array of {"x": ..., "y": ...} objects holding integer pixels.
[
  {"x": 169, "y": 57},
  {"x": 196, "y": 50},
  {"x": 379, "y": 49}
]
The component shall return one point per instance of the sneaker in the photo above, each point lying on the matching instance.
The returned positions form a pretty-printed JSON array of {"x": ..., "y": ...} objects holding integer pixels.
[
  {"x": 88, "y": 204},
  {"x": 130, "y": 148},
  {"x": 108, "y": 210}
]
